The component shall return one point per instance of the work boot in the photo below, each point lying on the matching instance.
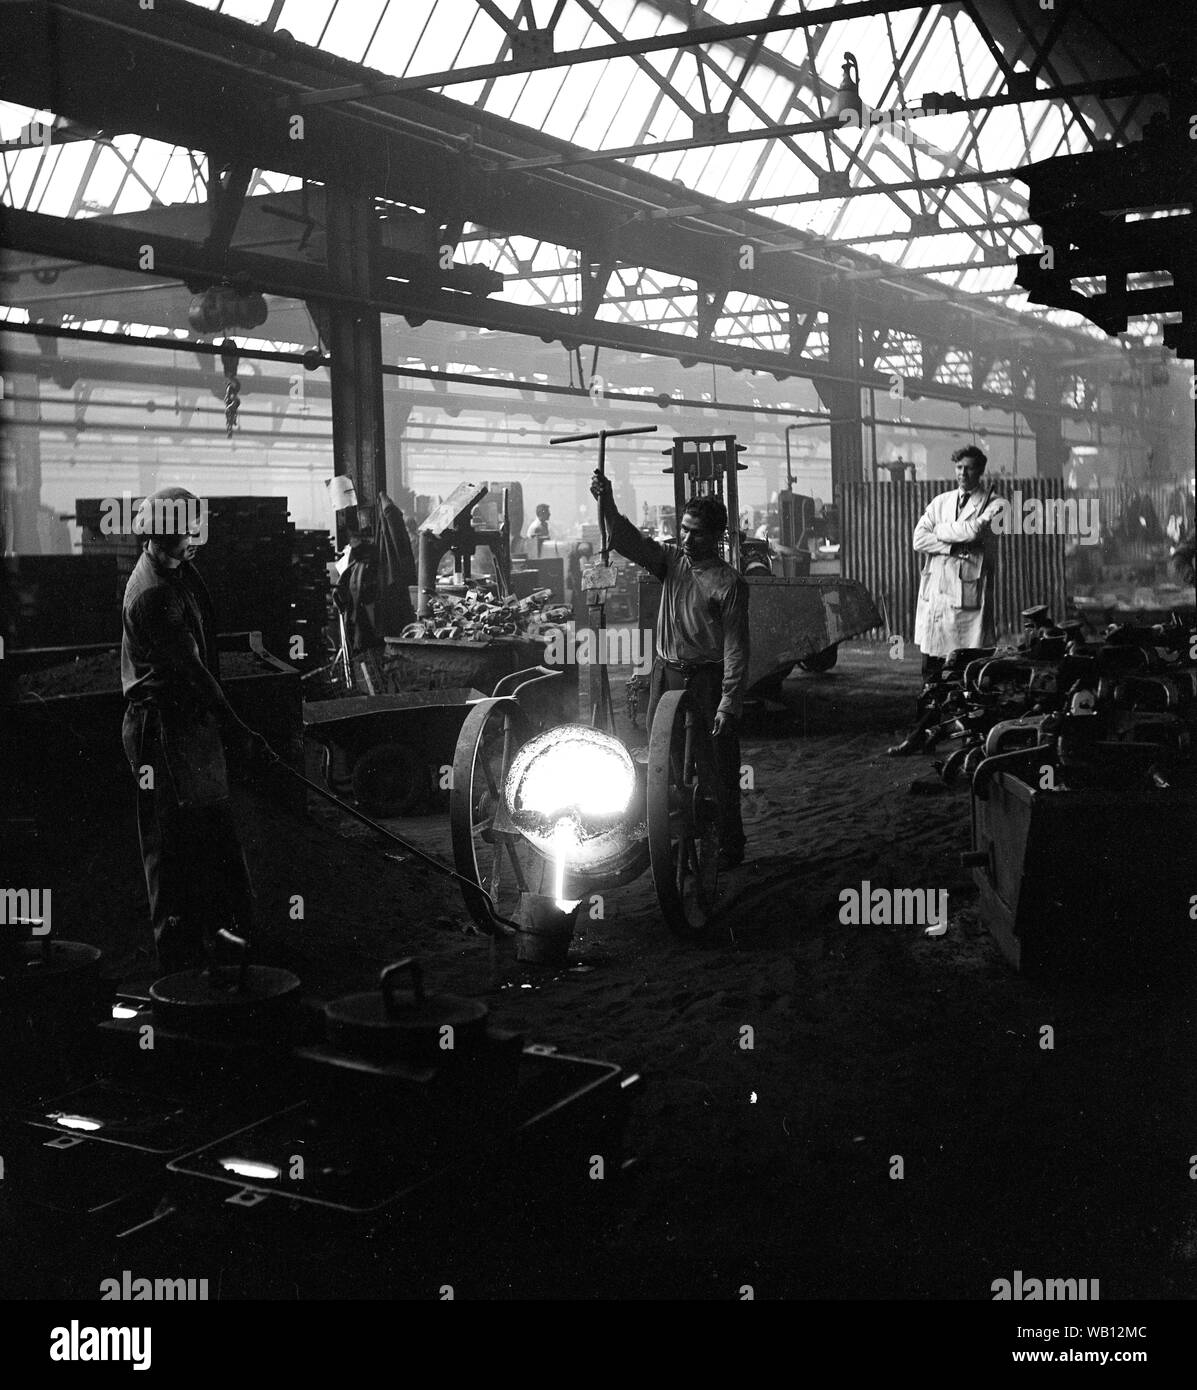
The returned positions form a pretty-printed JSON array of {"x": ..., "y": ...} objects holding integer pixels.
[
  {"x": 731, "y": 857},
  {"x": 179, "y": 948},
  {"x": 913, "y": 743}
]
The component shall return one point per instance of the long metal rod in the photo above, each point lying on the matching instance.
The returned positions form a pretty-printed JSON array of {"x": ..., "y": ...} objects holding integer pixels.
[
  {"x": 602, "y": 436},
  {"x": 515, "y": 318},
  {"x": 508, "y": 927},
  {"x": 607, "y": 434},
  {"x": 602, "y": 713},
  {"x": 872, "y": 423},
  {"x": 419, "y": 400},
  {"x": 805, "y": 368},
  {"x": 604, "y": 537}
]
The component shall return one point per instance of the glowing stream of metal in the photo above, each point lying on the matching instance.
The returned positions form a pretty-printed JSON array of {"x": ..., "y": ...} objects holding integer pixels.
[{"x": 563, "y": 838}]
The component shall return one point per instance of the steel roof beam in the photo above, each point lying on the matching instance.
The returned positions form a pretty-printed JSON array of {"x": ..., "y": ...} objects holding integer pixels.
[
  {"x": 120, "y": 246},
  {"x": 401, "y": 154},
  {"x": 899, "y": 115},
  {"x": 1042, "y": 49},
  {"x": 108, "y": 370},
  {"x": 634, "y": 48},
  {"x": 596, "y": 17},
  {"x": 788, "y": 200}
]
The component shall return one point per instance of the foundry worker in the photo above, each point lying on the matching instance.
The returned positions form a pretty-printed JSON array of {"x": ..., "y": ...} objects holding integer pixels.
[
  {"x": 538, "y": 530},
  {"x": 581, "y": 556},
  {"x": 957, "y": 539},
  {"x": 701, "y": 638},
  {"x": 196, "y": 876}
]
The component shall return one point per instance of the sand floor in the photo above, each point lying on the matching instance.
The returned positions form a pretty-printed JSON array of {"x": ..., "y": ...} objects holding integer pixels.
[{"x": 772, "y": 1166}]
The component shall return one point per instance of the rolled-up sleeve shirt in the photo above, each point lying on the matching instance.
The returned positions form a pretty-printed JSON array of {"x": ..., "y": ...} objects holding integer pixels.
[{"x": 703, "y": 617}]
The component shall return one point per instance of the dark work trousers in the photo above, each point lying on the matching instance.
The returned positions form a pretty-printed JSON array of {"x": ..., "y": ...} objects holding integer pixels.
[
  {"x": 195, "y": 871},
  {"x": 705, "y": 683}
]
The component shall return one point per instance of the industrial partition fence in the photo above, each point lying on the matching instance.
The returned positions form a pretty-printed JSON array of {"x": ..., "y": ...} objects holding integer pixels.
[{"x": 878, "y": 521}]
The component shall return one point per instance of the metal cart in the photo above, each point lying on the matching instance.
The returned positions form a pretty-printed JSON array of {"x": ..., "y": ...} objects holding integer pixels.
[
  {"x": 389, "y": 750},
  {"x": 671, "y": 824}
]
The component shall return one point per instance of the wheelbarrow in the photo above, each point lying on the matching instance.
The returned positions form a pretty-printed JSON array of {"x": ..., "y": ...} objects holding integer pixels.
[{"x": 393, "y": 752}]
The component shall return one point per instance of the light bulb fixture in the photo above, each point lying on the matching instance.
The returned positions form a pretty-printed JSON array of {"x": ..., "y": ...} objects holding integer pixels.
[{"x": 847, "y": 99}]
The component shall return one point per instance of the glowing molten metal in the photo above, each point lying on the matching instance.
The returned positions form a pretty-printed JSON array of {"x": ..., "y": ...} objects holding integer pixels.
[{"x": 570, "y": 792}]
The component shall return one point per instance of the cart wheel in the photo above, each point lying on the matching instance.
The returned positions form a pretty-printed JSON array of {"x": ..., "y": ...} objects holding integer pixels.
[
  {"x": 683, "y": 821},
  {"x": 485, "y": 848},
  {"x": 821, "y": 661},
  {"x": 388, "y": 779}
]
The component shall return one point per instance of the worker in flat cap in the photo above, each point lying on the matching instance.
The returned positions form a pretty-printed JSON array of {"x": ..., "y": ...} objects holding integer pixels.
[
  {"x": 175, "y": 722},
  {"x": 702, "y": 635}
]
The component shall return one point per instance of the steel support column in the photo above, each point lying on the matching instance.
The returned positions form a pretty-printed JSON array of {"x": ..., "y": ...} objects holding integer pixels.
[
  {"x": 355, "y": 344},
  {"x": 842, "y": 399},
  {"x": 398, "y": 413},
  {"x": 1051, "y": 449},
  {"x": 22, "y": 480}
]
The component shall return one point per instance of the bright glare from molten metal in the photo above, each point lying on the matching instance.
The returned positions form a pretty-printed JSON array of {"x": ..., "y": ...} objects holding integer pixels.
[
  {"x": 568, "y": 791},
  {"x": 575, "y": 772}
]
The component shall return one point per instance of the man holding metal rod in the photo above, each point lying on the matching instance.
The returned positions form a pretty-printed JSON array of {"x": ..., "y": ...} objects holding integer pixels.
[
  {"x": 195, "y": 871},
  {"x": 702, "y": 634}
]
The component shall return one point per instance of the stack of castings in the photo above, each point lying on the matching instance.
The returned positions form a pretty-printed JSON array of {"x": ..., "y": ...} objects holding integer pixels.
[
  {"x": 480, "y": 616},
  {"x": 1105, "y": 712}
]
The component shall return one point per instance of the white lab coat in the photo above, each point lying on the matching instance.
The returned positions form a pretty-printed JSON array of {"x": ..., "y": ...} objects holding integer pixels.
[{"x": 957, "y": 593}]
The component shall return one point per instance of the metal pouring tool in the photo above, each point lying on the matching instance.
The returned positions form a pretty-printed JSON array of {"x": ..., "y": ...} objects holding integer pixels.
[
  {"x": 503, "y": 925},
  {"x": 600, "y": 579}
]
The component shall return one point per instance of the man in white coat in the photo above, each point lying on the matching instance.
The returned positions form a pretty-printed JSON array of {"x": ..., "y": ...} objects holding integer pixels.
[{"x": 958, "y": 541}]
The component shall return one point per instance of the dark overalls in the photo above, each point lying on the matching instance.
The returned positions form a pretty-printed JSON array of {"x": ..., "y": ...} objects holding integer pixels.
[
  {"x": 195, "y": 871},
  {"x": 704, "y": 681}
]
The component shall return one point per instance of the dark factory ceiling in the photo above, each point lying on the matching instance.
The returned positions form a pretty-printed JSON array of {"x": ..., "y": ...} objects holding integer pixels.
[{"x": 924, "y": 203}]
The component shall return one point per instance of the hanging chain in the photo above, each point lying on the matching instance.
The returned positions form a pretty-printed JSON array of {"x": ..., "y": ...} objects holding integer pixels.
[{"x": 232, "y": 385}]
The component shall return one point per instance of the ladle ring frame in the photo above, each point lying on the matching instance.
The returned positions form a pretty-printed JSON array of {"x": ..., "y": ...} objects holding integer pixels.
[{"x": 673, "y": 822}]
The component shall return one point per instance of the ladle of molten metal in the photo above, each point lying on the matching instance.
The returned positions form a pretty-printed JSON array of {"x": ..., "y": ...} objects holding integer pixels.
[{"x": 569, "y": 792}]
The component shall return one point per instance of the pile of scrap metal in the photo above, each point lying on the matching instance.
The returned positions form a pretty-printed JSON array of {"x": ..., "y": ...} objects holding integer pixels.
[
  {"x": 480, "y": 616},
  {"x": 1109, "y": 712}
]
